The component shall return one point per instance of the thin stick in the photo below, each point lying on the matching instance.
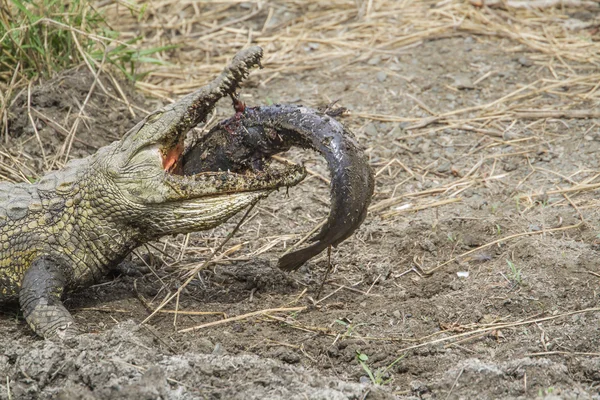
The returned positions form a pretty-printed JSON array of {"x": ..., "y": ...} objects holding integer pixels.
[
  {"x": 123, "y": 311},
  {"x": 240, "y": 317},
  {"x": 432, "y": 270},
  {"x": 326, "y": 272},
  {"x": 576, "y": 114},
  {"x": 497, "y": 327},
  {"x": 454, "y": 384},
  {"x": 33, "y": 125},
  {"x": 566, "y": 353},
  {"x": 202, "y": 266},
  {"x": 576, "y": 188}
]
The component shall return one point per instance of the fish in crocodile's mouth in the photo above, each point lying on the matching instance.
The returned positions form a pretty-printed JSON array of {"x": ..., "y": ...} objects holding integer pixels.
[{"x": 198, "y": 162}]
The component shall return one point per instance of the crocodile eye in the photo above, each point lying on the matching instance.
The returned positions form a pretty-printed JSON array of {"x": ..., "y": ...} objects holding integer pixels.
[{"x": 154, "y": 117}]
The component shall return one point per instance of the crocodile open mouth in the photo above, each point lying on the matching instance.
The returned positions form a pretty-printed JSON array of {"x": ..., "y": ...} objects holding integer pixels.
[
  {"x": 210, "y": 168},
  {"x": 203, "y": 157}
]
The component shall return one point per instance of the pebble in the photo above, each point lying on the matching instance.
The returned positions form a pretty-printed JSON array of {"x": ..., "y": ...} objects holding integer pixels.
[
  {"x": 204, "y": 345},
  {"x": 510, "y": 135},
  {"x": 510, "y": 166},
  {"x": 463, "y": 81},
  {"x": 381, "y": 76},
  {"x": 371, "y": 130},
  {"x": 219, "y": 350},
  {"x": 445, "y": 167},
  {"x": 374, "y": 61},
  {"x": 418, "y": 387},
  {"x": 524, "y": 61}
]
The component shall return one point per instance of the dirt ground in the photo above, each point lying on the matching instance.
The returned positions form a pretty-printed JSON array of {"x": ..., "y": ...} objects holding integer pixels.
[{"x": 475, "y": 274}]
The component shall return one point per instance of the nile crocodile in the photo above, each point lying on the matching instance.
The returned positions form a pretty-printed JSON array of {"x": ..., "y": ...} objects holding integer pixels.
[{"x": 70, "y": 228}]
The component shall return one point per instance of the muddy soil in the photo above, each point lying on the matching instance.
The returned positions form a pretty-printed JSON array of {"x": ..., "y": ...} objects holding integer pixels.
[{"x": 515, "y": 319}]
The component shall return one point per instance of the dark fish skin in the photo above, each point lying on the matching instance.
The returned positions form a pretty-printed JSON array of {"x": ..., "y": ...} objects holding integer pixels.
[{"x": 247, "y": 139}]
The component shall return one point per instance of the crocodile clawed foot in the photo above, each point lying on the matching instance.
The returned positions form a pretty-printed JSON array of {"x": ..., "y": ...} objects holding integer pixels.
[{"x": 66, "y": 334}]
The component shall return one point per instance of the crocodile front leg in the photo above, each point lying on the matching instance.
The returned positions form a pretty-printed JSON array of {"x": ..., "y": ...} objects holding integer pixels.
[{"x": 40, "y": 299}]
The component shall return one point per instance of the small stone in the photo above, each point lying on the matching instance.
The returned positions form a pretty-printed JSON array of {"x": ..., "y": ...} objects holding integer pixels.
[
  {"x": 219, "y": 350},
  {"x": 374, "y": 61},
  {"x": 397, "y": 314},
  {"x": 445, "y": 167},
  {"x": 534, "y": 228},
  {"x": 418, "y": 387},
  {"x": 524, "y": 61},
  {"x": 371, "y": 130},
  {"x": 381, "y": 76},
  {"x": 463, "y": 81},
  {"x": 510, "y": 135},
  {"x": 364, "y": 380},
  {"x": 510, "y": 166},
  {"x": 204, "y": 345},
  {"x": 472, "y": 240}
]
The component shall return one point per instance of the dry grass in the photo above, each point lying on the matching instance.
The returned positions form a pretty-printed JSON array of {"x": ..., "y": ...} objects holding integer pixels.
[
  {"x": 349, "y": 33},
  {"x": 303, "y": 36}
]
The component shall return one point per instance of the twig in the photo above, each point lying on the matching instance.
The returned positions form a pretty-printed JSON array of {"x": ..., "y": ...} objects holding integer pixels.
[
  {"x": 326, "y": 272},
  {"x": 497, "y": 327},
  {"x": 510, "y": 237},
  {"x": 537, "y": 4},
  {"x": 455, "y": 382},
  {"x": 575, "y": 114},
  {"x": 241, "y": 317},
  {"x": 566, "y": 353}
]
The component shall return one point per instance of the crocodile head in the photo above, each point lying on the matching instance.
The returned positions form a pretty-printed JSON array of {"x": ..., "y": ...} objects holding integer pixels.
[{"x": 144, "y": 167}]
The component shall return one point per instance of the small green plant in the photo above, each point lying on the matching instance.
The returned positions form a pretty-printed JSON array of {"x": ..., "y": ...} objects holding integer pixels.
[
  {"x": 544, "y": 392},
  {"x": 498, "y": 230},
  {"x": 379, "y": 376},
  {"x": 349, "y": 327},
  {"x": 39, "y": 37},
  {"x": 514, "y": 272},
  {"x": 494, "y": 208},
  {"x": 451, "y": 237}
]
